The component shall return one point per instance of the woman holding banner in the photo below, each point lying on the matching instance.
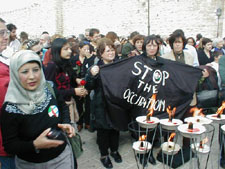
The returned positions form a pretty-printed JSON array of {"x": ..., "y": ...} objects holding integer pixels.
[{"x": 107, "y": 137}]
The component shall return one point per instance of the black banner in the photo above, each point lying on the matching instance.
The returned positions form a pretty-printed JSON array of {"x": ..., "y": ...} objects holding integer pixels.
[{"x": 129, "y": 84}]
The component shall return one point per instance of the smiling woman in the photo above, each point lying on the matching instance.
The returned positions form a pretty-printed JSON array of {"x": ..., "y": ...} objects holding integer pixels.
[{"x": 30, "y": 109}]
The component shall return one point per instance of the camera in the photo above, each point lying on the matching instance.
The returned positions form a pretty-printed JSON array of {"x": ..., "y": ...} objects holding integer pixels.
[{"x": 55, "y": 134}]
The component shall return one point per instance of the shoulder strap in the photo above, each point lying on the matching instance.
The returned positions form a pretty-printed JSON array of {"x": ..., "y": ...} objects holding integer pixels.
[{"x": 51, "y": 89}]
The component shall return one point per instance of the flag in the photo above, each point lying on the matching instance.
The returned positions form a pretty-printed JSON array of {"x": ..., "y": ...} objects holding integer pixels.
[{"x": 129, "y": 84}]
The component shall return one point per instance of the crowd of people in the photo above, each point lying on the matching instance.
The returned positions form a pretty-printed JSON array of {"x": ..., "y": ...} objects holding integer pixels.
[{"x": 53, "y": 82}]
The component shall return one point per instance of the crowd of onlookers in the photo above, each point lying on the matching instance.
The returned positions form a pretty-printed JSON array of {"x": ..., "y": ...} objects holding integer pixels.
[{"x": 72, "y": 64}]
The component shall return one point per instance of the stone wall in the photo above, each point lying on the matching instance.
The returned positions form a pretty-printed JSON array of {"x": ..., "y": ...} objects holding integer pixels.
[{"x": 122, "y": 16}]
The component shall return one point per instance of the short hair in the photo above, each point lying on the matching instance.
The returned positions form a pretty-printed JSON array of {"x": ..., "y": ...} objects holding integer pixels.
[
  {"x": 101, "y": 45},
  {"x": 133, "y": 34},
  {"x": 11, "y": 26},
  {"x": 216, "y": 41},
  {"x": 2, "y": 20},
  {"x": 111, "y": 35},
  {"x": 205, "y": 41},
  {"x": 177, "y": 34},
  {"x": 150, "y": 39},
  {"x": 198, "y": 36},
  {"x": 138, "y": 37},
  {"x": 93, "y": 31},
  {"x": 192, "y": 39},
  {"x": 45, "y": 32},
  {"x": 24, "y": 35},
  {"x": 217, "y": 53}
]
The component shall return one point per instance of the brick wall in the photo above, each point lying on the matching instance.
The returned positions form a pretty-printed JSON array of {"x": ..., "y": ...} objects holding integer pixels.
[{"x": 122, "y": 16}]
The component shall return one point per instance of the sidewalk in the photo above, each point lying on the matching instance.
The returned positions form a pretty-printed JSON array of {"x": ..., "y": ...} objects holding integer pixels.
[{"x": 90, "y": 158}]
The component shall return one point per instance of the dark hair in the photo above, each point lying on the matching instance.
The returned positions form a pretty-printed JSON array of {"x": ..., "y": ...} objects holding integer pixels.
[
  {"x": 198, "y": 36},
  {"x": 192, "y": 39},
  {"x": 45, "y": 32},
  {"x": 112, "y": 36},
  {"x": 10, "y": 27},
  {"x": 205, "y": 41},
  {"x": 101, "y": 45},
  {"x": 177, "y": 34},
  {"x": 138, "y": 37},
  {"x": 56, "y": 47},
  {"x": 2, "y": 20},
  {"x": 133, "y": 34},
  {"x": 217, "y": 53},
  {"x": 93, "y": 31},
  {"x": 150, "y": 39}
]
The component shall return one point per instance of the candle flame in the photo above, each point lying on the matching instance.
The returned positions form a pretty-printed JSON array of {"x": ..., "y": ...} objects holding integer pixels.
[
  {"x": 151, "y": 109},
  {"x": 170, "y": 111},
  {"x": 142, "y": 138},
  {"x": 171, "y": 136},
  {"x": 221, "y": 108},
  {"x": 197, "y": 112}
]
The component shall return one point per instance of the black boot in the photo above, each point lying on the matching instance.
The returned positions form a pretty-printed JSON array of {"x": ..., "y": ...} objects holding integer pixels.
[{"x": 106, "y": 162}]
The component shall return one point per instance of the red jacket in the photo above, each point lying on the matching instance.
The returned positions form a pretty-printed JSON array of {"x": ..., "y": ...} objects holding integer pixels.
[{"x": 4, "y": 81}]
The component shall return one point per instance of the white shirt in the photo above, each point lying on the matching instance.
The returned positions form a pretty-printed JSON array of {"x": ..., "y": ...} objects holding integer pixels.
[{"x": 15, "y": 45}]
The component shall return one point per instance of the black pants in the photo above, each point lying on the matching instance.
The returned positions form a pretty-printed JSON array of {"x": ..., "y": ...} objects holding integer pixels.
[
  {"x": 107, "y": 139},
  {"x": 84, "y": 115}
]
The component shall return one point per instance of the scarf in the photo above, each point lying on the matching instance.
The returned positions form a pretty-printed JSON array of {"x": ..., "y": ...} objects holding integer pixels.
[{"x": 25, "y": 100}]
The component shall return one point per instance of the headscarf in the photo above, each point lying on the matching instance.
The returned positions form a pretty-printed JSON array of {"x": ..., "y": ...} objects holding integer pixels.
[{"x": 25, "y": 100}]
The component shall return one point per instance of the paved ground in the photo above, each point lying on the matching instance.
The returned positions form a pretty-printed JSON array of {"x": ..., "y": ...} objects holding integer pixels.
[{"x": 90, "y": 157}]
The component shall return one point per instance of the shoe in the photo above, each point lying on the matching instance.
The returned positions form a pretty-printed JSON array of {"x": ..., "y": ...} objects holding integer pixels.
[
  {"x": 117, "y": 157},
  {"x": 79, "y": 127},
  {"x": 152, "y": 160},
  {"x": 106, "y": 162},
  {"x": 87, "y": 126}
]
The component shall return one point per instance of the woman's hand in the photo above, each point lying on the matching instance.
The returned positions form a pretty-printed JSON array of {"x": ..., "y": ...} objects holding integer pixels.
[
  {"x": 68, "y": 129},
  {"x": 42, "y": 142},
  {"x": 78, "y": 80},
  {"x": 79, "y": 91},
  {"x": 95, "y": 70}
]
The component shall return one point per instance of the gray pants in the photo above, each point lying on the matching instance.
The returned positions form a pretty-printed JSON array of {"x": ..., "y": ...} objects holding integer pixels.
[{"x": 64, "y": 160}]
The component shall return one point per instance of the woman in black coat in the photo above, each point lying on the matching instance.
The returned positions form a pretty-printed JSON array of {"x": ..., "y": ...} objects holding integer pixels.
[{"x": 107, "y": 137}]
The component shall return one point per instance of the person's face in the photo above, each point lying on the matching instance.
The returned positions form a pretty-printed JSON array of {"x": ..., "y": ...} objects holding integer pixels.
[
  {"x": 4, "y": 36},
  {"x": 190, "y": 42},
  {"x": 66, "y": 51},
  {"x": 38, "y": 50},
  {"x": 108, "y": 55},
  {"x": 151, "y": 49},
  {"x": 87, "y": 35},
  {"x": 95, "y": 37},
  {"x": 220, "y": 44},
  {"x": 30, "y": 76},
  {"x": 178, "y": 45},
  {"x": 84, "y": 50},
  {"x": 13, "y": 34},
  {"x": 139, "y": 44},
  {"x": 208, "y": 46}
]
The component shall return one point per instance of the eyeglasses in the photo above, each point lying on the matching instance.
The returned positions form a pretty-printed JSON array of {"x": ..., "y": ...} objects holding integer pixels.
[{"x": 4, "y": 33}]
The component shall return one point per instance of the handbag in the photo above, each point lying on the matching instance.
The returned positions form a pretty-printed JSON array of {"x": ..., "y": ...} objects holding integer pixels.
[
  {"x": 75, "y": 141},
  {"x": 76, "y": 145},
  {"x": 207, "y": 98}
]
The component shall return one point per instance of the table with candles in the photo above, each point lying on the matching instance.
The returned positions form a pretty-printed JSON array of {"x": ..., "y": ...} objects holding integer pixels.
[{"x": 199, "y": 130}]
